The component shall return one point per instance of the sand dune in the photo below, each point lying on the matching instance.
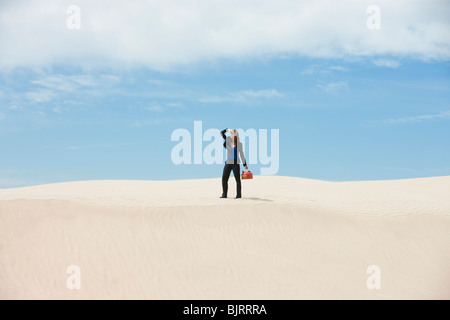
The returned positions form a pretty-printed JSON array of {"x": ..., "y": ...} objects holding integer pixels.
[{"x": 288, "y": 238}]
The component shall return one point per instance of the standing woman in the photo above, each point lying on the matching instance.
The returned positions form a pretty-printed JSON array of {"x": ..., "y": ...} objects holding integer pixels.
[{"x": 234, "y": 148}]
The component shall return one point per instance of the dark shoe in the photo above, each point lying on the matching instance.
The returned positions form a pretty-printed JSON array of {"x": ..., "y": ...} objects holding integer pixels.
[
  {"x": 223, "y": 196},
  {"x": 238, "y": 196}
]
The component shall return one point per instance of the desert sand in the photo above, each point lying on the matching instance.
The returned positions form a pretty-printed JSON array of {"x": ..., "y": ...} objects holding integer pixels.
[{"x": 288, "y": 238}]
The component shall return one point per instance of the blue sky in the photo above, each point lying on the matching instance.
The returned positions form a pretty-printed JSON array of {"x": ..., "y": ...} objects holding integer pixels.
[{"x": 379, "y": 114}]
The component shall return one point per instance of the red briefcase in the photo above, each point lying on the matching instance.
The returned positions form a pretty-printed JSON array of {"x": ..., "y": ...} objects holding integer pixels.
[{"x": 247, "y": 175}]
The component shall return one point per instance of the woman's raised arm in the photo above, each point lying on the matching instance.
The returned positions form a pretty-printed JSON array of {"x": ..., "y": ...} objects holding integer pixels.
[{"x": 223, "y": 133}]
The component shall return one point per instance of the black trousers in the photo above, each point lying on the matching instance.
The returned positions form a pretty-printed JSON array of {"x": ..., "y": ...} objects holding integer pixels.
[{"x": 226, "y": 175}]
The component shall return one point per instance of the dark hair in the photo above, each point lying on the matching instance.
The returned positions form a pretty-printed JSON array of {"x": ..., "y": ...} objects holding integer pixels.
[{"x": 235, "y": 140}]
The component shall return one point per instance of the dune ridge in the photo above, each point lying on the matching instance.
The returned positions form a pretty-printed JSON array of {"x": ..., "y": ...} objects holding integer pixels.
[{"x": 288, "y": 238}]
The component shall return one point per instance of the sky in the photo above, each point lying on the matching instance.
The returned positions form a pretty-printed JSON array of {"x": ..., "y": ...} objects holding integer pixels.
[{"x": 94, "y": 91}]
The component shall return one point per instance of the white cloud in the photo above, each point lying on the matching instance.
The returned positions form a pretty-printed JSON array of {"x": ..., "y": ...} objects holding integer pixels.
[
  {"x": 75, "y": 82},
  {"x": 319, "y": 69},
  {"x": 334, "y": 87},
  {"x": 338, "y": 68},
  {"x": 56, "y": 82},
  {"x": 414, "y": 119},
  {"x": 387, "y": 63},
  {"x": 158, "y": 107},
  {"x": 164, "y": 34},
  {"x": 243, "y": 96},
  {"x": 54, "y": 87},
  {"x": 159, "y": 121},
  {"x": 59, "y": 109},
  {"x": 175, "y": 105},
  {"x": 158, "y": 82},
  {"x": 40, "y": 96},
  {"x": 270, "y": 93},
  {"x": 102, "y": 145},
  {"x": 215, "y": 99},
  {"x": 154, "y": 107},
  {"x": 314, "y": 69}
]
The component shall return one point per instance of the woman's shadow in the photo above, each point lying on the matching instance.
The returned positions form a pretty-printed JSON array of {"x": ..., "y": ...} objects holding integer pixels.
[{"x": 259, "y": 199}]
